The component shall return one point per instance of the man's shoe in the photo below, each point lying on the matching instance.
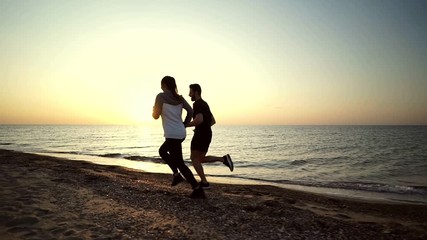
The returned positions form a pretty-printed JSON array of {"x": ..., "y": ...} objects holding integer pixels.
[
  {"x": 205, "y": 186},
  {"x": 198, "y": 193},
  {"x": 177, "y": 178},
  {"x": 228, "y": 162}
]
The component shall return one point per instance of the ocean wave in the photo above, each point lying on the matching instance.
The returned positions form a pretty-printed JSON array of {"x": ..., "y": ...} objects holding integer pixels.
[
  {"x": 319, "y": 161},
  {"x": 131, "y": 157},
  {"x": 111, "y": 155},
  {"x": 64, "y": 152},
  {"x": 142, "y": 158},
  {"x": 374, "y": 187},
  {"x": 361, "y": 186},
  {"x": 298, "y": 162}
]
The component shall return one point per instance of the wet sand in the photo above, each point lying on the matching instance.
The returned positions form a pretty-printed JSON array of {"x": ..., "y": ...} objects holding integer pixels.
[{"x": 43, "y": 197}]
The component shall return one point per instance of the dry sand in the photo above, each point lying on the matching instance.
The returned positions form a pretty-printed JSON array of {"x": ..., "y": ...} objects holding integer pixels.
[{"x": 51, "y": 198}]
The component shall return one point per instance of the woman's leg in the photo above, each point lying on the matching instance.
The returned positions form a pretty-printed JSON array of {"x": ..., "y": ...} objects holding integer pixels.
[
  {"x": 176, "y": 156},
  {"x": 165, "y": 151}
]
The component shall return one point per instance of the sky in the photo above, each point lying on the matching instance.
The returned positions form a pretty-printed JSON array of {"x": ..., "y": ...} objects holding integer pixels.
[{"x": 261, "y": 62}]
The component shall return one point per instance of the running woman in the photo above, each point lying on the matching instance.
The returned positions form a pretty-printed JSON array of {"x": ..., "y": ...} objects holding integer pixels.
[{"x": 169, "y": 105}]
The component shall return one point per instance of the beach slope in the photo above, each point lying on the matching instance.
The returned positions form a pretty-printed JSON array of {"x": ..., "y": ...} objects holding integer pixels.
[{"x": 44, "y": 197}]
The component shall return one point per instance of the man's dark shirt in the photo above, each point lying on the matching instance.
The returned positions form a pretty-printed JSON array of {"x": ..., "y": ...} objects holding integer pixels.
[{"x": 200, "y": 106}]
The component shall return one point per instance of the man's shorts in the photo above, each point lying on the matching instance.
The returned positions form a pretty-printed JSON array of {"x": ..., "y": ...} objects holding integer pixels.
[{"x": 201, "y": 141}]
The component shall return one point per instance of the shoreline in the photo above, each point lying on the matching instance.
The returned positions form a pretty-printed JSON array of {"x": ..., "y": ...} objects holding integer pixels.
[
  {"x": 355, "y": 194},
  {"x": 44, "y": 197}
]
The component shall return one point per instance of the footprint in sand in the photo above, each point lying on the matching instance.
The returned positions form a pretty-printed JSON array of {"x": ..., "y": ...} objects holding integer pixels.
[
  {"x": 22, "y": 226},
  {"x": 23, "y": 222},
  {"x": 343, "y": 216}
]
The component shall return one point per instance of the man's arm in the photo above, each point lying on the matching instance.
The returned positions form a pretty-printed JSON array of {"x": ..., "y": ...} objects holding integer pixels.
[{"x": 196, "y": 121}]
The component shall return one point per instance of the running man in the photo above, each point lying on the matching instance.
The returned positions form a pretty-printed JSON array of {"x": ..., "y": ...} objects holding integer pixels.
[{"x": 202, "y": 121}]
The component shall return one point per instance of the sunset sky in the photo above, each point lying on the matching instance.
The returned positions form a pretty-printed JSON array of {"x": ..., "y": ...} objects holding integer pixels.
[{"x": 258, "y": 62}]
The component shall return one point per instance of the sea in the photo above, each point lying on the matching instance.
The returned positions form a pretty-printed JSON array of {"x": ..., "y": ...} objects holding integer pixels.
[{"x": 368, "y": 162}]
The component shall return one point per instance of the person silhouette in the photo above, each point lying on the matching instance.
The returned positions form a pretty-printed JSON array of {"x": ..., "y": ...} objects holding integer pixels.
[
  {"x": 169, "y": 105},
  {"x": 202, "y": 121}
]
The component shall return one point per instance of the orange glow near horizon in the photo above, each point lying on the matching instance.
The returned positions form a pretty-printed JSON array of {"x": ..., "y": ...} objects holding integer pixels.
[{"x": 101, "y": 63}]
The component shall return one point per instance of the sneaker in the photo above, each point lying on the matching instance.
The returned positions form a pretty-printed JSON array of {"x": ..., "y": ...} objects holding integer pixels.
[
  {"x": 198, "y": 193},
  {"x": 227, "y": 162},
  {"x": 177, "y": 178},
  {"x": 205, "y": 186}
]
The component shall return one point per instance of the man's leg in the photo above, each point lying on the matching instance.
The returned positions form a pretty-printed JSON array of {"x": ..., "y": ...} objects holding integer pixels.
[
  {"x": 226, "y": 160},
  {"x": 209, "y": 159},
  {"x": 197, "y": 157}
]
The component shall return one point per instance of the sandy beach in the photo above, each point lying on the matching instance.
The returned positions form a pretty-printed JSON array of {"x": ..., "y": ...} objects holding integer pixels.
[{"x": 51, "y": 198}]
